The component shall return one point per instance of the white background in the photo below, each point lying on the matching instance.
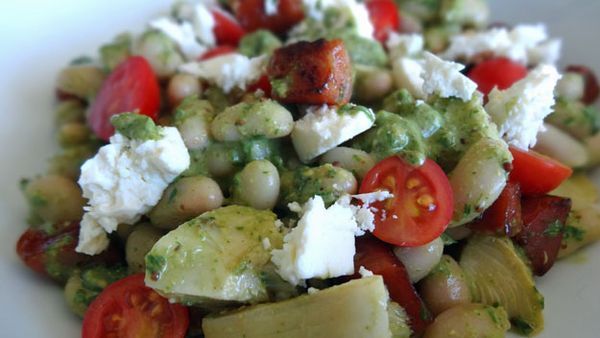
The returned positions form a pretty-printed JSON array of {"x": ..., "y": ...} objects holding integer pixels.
[{"x": 38, "y": 37}]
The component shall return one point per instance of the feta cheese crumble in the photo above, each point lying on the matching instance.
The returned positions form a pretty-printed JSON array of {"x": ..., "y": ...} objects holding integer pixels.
[
  {"x": 445, "y": 79},
  {"x": 228, "y": 71},
  {"x": 124, "y": 180},
  {"x": 519, "y": 111},
  {"x": 323, "y": 128},
  {"x": 527, "y": 44},
  {"x": 404, "y": 45},
  {"x": 364, "y": 272},
  {"x": 194, "y": 34},
  {"x": 182, "y": 34},
  {"x": 322, "y": 244},
  {"x": 271, "y": 7},
  {"x": 352, "y": 11},
  {"x": 407, "y": 75}
]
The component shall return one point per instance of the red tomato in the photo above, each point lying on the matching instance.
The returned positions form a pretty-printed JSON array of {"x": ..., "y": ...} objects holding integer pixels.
[
  {"x": 227, "y": 30},
  {"x": 128, "y": 308},
  {"x": 537, "y": 174},
  {"x": 591, "y": 89},
  {"x": 543, "y": 219},
  {"x": 252, "y": 16},
  {"x": 263, "y": 84},
  {"x": 377, "y": 257},
  {"x": 422, "y": 205},
  {"x": 502, "y": 218},
  {"x": 53, "y": 255},
  {"x": 498, "y": 72},
  {"x": 218, "y": 51},
  {"x": 385, "y": 17},
  {"x": 131, "y": 87}
]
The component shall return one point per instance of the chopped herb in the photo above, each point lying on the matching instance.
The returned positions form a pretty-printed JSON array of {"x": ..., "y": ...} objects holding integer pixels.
[
  {"x": 522, "y": 326},
  {"x": 172, "y": 195},
  {"x": 554, "y": 229},
  {"x": 570, "y": 231}
]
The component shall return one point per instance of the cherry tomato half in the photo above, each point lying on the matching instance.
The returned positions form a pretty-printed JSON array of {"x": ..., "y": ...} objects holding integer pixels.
[
  {"x": 498, "y": 72},
  {"x": 252, "y": 15},
  {"x": 537, "y": 174},
  {"x": 378, "y": 258},
  {"x": 131, "y": 87},
  {"x": 128, "y": 308},
  {"x": 422, "y": 205},
  {"x": 385, "y": 18},
  {"x": 217, "y": 51},
  {"x": 227, "y": 30}
]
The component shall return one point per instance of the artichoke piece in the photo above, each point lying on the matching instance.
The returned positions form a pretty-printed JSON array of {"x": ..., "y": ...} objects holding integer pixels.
[
  {"x": 217, "y": 259},
  {"x": 355, "y": 309},
  {"x": 583, "y": 224},
  {"x": 499, "y": 276}
]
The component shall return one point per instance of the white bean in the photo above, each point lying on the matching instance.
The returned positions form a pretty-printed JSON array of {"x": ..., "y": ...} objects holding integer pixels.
[
  {"x": 82, "y": 81},
  {"x": 561, "y": 146},
  {"x": 182, "y": 86},
  {"x": 257, "y": 185},
  {"x": 262, "y": 118},
  {"x": 195, "y": 132},
  {"x": 160, "y": 52},
  {"x": 469, "y": 321},
  {"x": 186, "y": 198},
  {"x": 355, "y": 160},
  {"x": 478, "y": 179},
  {"x": 372, "y": 83},
  {"x": 420, "y": 260},
  {"x": 139, "y": 242}
]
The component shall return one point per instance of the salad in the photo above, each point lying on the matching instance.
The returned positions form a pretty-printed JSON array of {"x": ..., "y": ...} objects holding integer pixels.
[{"x": 333, "y": 168}]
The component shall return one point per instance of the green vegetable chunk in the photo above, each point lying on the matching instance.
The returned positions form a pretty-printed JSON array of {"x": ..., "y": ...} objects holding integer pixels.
[
  {"x": 115, "y": 52},
  {"x": 216, "y": 259},
  {"x": 499, "y": 276},
  {"x": 358, "y": 308},
  {"x": 82, "y": 288},
  {"x": 136, "y": 126},
  {"x": 326, "y": 181},
  {"x": 259, "y": 42}
]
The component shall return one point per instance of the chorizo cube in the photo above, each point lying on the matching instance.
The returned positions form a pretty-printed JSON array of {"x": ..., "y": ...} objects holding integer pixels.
[{"x": 314, "y": 73}]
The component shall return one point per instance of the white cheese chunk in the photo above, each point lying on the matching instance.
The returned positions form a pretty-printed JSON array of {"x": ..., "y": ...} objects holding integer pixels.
[
  {"x": 322, "y": 245},
  {"x": 182, "y": 34},
  {"x": 124, "y": 180},
  {"x": 407, "y": 75},
  {"x": 200, "y": 17},
  {"x": 228, "y": 71},
  {"x": 323, "y": 128},
  {"x": 271, "y": 7},
  {"x": 526, "y": 44},
  {"x": 352, "y": 11},
  {"x": 445, "y": 79},
  {"x": 546, "y": 52},
  {"x": 404, "y": 45},
  {"x": 519, "y": 111},
  {"x": 365, "y": 272}
]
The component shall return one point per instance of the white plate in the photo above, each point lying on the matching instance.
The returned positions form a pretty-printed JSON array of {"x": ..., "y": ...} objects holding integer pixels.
[{"x": 38, "y": 37}]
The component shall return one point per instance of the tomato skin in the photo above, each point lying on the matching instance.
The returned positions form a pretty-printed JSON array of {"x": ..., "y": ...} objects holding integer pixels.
[
  {"x": 227, "y": 30},
  {"x": 385, "y": 17},
  {"x": 537, "y": 174},
  {"x": 217, "y": 51},
  {"x": 53, "y": 255},
  {"x": 407, "y": 221},
  {"x": 540, "y": 242},
  {"x": 591, "y": 88},
  {"x": 121, "y": 310},
  {"x": 378, "y": 257},
  {"x": 263, "y": 84},
  {"x": 131, "y": 87},
  {"x": 497, "y": 72},
  {"x": 251, "y": 15},
  {"x": 503, "y": 218}
]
